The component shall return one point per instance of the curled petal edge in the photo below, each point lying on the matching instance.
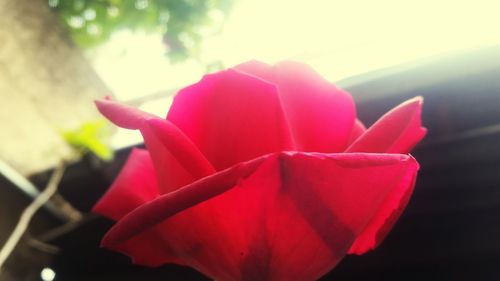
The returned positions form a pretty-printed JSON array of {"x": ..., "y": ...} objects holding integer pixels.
[
  {"x": 158, "y": 131},
  {"x": 152, "y": 213},
  {"x": 167, "y": 205},
  {"x": 385, "y": 217},
  {"x": 320, "y": 115},
  {"x": 397, "y": 131}
]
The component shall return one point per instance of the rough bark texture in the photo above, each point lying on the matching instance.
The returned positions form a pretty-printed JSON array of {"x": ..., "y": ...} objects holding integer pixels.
[{"x": 46, "y": 86}]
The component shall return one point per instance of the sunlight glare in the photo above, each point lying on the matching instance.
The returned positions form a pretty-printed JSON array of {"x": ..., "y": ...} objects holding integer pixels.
[{"x": 338, "y": 38}]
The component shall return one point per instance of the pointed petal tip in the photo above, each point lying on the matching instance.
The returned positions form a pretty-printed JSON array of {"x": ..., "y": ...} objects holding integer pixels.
[
  {"x": 414, "y": 161},
  {"x": 105, "y": 105},
  {"x": 418, "y": 99},
  {"x": 101, "y": 103},
  {"x": 122, "y": 115},
  {"x": 397, "y": 131},
  {"x": 415, "y": 103},
  {"x": 111, "y": 239},
  {"x": 95, "y": 209},
  {"x": 103, "y": 100},
  {"x": 103, "y": 243},
  {"x": 107, "y": 243},
  {"x": 251, "y": 62}
]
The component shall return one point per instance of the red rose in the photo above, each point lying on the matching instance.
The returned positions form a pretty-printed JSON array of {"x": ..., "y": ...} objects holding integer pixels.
[{"x": 260, "y": 173}]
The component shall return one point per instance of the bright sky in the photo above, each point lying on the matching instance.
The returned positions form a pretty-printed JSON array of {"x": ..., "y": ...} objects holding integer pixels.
[{"x": 339, "y": 38}]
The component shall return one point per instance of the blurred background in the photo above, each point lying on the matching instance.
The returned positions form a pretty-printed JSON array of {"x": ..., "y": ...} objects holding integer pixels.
[{"x": 57, "y": 56}]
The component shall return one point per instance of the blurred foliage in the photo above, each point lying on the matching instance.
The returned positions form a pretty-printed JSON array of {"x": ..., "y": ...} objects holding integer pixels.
[
  {"x": 183, "y": 23},
  {"x": 91, "y": 137}
]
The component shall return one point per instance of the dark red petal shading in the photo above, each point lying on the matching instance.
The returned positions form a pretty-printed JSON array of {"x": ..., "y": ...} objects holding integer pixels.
[
  {"x": 231, "y": 117},
  {"x": 285, "y": 216},
  {"x": 383, "y": 221},
  {"x": 171, "y": 203},
  {"x": 321, "y": 116},
  {"x": 398, "y": 131},
  {"x": 176, "y": 159},
  {"x": 192, "y": 232},
  {"x": 135, "y": 185}
]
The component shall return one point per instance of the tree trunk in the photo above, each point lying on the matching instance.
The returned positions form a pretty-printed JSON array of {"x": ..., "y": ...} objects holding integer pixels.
[{"x": 46, "y": 86}]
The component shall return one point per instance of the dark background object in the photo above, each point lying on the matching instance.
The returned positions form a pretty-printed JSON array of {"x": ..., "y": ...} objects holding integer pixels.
[{"x": 451, "y": 228}]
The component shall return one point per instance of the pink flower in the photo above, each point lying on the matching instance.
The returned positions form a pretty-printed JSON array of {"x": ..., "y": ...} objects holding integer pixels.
[{"x": 260, "y": 173}]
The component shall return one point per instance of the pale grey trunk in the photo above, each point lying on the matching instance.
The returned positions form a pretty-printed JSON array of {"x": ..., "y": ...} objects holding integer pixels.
[{"x": 46, "y": 85}]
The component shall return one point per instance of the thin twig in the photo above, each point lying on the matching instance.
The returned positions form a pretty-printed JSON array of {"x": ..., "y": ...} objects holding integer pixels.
[
  {"x": 42, "y": 246},
  {"x": 29, "y": 212},
  {"x": 23, "y": 184}
]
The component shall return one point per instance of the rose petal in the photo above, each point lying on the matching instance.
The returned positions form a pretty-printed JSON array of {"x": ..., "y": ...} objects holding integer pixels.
[
  {"x": 179, "y": 145},
  {"x": 384, "y": 219},
  {"x": 395, "y": 132},
  {"x": 192, "y": 231},
  {"x": 321, "y": 116},
  {"x": 176, "y": 159},
  {"x": 171, "y": 203},
  {"x": 134, "y": 186},
  {"x": 122, "y": 115},
  {"x": 231, "y": 117},
  {"x": 285, "y": 216},
  {"x": 357, "y": 130},
  {"x": 171, "y": 173},
  {"x": 398, "y": 131}
]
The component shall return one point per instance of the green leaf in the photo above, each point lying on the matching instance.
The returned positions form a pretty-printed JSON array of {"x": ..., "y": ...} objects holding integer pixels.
[{"x": 93, "y": 137}]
